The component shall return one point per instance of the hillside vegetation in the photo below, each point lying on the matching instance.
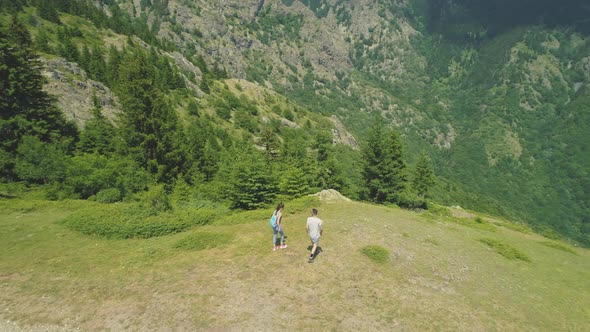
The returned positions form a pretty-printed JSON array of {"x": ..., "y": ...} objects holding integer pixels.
[
  {"x": 174, "y": 92},
  {"x": 381, "y": 268}
]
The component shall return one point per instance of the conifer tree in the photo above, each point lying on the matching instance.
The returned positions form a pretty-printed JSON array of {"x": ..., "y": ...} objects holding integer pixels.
[
  {"x": 150, "y": 124},
  {"x": 47, "y": 11},
  {"x": 97, "y": 65},
  {"x": 294, "y": 182},
  {"x": 423, "y": 175},
  {"x": 98, "y": 134},
  {"x": 26, "y": 108},
  {"x": 245, "y": 179},
  {"x": 384, "y": 170},
  {"x": 42, "y": 42},
  {"x": 269, "y": 141}
]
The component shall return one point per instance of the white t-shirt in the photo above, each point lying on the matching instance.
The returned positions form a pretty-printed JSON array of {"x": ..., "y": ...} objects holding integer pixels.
[{"x": 315, "y": 226}]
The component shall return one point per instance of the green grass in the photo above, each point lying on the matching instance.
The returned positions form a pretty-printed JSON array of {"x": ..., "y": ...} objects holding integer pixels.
[
  {"x": 558, "y": 246},
  {"x": 516, "y": 227},
  {"x": 225, "y": 276},
  {"x": 505, "y": 249},
  {"x": 377, "y": 254},
  {"x": 122, "y": 221},
  {"x": 200, "y": 241}
]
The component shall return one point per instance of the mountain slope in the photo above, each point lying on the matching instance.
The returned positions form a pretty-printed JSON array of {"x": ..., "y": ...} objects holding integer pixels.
[
  {"x": 483, "y": 94},
  {"x": 437, "y": 274},
  {"x": 494, "y": 100}
]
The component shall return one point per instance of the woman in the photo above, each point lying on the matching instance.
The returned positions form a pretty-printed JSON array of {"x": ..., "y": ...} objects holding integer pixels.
[{"x": 276, "y": 222}]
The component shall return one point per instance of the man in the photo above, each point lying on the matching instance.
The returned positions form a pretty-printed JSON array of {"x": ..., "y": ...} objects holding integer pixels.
[{"x": 314, "y": 230}]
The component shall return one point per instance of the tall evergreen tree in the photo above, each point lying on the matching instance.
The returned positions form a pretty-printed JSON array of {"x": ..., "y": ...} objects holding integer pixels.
[
  {"x": 46, "y": 10},
  {"x": 384, "y": 171},
  {"x": 150, "y": 124},
  {"x": 42, "y": 42},
  {"x": 423, "y": 175},
  {"x": 98, "y": 134},
  {"x": 245, "y": 179},
  {"x": 294, "y": 182},
  {"x": 97, "y": 65},
  {"x": 25, "y": 108}
]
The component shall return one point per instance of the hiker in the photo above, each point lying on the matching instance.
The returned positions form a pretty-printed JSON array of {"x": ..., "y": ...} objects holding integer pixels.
[
  {"x": 314, "y": 230},
  {"x": 276, "y": 222}
]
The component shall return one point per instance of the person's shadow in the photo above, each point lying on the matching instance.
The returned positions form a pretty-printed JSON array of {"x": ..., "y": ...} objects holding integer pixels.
[{"x": 318, "y": 250}]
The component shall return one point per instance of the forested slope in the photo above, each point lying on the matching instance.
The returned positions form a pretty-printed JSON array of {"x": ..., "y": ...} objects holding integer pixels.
[{"x": 494, "y": 92}]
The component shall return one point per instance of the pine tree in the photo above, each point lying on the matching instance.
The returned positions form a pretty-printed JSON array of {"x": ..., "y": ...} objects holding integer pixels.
[
  {"x": 47, "y": 11},
  {"x": 69, "y": 50},
  {"x": 42, "y": 42},
  {"x": 423, "y": 175},
  {"x": 26, "y": 108},
  {"x": 245, "y": 179},
  {"x": 98, "y": 134},
  {"x": 294, "y": 182},
  {"x": 112, "y": 70},
  {"x": 84, "y": 60},
  {"x": 97, "y": 65},
  {"x": 384, "y": 171},
  {"x": 150, "y": 124},
  {"x": 269, "y": 141}
]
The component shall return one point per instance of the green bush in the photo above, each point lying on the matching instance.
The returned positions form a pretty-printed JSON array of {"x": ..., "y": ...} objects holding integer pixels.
[
  {"x": 155, "y": 200},
  {"x": 516, "y": 227},
  {"x": 305, "y": 203},
  {"x": 39, "y": 162},
  {"x": 505, "y": 249},
  {"x": 110, "y": 195},
  {"x": 200, "y": 241},
  {"x": 377, "y": 254},
  {"x": 88, "y": 174},
  {"x": 122, "y": 221},
  {"x": 409, "y": 200},
  {"x": 558, "y": 246}
]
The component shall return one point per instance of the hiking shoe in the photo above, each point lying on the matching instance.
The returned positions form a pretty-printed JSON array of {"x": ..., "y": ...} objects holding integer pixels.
[
  {"x": 275, "y": 248},
  {"x": 283, "y": 246},
  {"x": 311, "y": 260}
]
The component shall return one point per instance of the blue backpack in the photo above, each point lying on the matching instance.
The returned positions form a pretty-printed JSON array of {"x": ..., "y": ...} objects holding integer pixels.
[{"x": 273, "y": 220}]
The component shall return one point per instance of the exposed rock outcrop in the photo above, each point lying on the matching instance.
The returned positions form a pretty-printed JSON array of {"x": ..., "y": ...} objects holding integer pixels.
[{"x": 74, "y": 91}]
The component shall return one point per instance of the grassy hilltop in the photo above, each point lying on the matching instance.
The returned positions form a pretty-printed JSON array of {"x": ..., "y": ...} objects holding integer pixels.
[{"x": 447, "y": 269}]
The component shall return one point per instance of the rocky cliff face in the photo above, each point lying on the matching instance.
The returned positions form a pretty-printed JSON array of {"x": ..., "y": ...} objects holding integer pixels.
[{"x": 75, "y": 91}]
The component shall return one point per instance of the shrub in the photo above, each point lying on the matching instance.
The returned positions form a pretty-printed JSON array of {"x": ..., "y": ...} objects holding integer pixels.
[
  {"x": 155, "y": 200},
  {"x": 200, "y": 241},
  {"x": 110, "y": 195},
  {"x": 302, "y": 204},
  {"x": 88, "y": 174},
  {"x": 122, "y": 221},
  {"x": 408, "y": 200},
  {"x": 516, "y": 227},
  {"x": 505, "y": 249},
  {"x": 558, "y": 246},
  {"x": 439, "y": 210},
  {"x": 39, "y": 162},
  {"x": 377, "y": 254}
]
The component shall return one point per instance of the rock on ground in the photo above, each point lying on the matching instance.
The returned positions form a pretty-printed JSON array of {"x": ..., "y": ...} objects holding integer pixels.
[{"x": 331, "y": 195}]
